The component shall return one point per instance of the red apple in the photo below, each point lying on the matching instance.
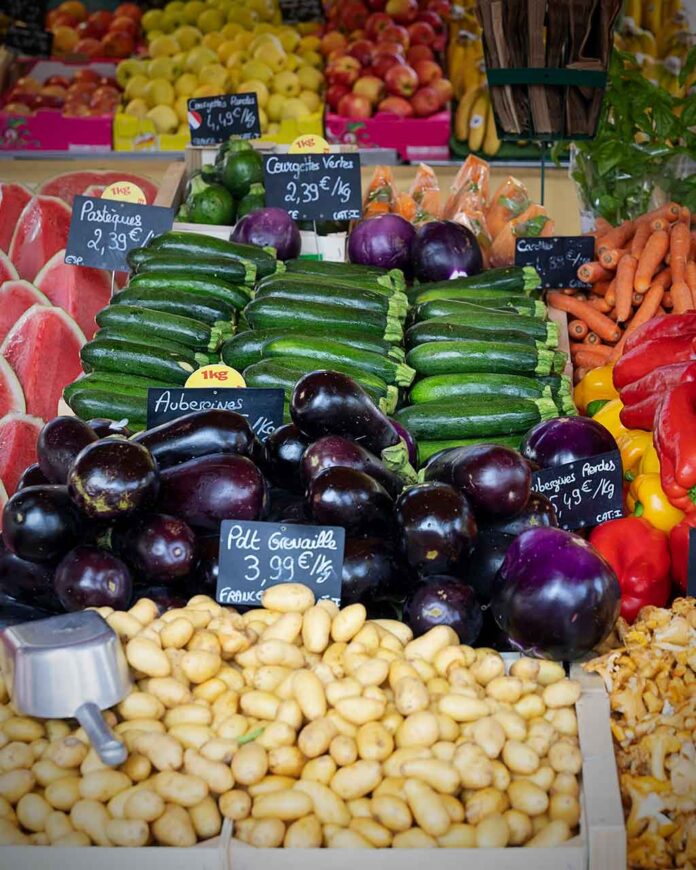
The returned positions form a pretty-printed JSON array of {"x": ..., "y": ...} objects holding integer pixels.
[
  {"x": 440, "y": 43},
  {"x": 376, "y": 5},
  {"x": 443, "y": 8},
  {"x": 390, "y": 48},
  {"x": 396, "y": 106},
  {"x": 355, "y": 107},
  {"x": 370, "y": 87},
  {"x": 384, "y": 61},
  {"x": 332, "y": 41},
  {"x": 334, "y": 94},
  {"x": 89, "y": 47},
  {"x": 402, "y": 11},
  {"x": 419, "y": 52},
  {"x": 63, "y": 19},
  {"x": 27, "y": 85},
  {"x": 58, "y": 80},
  {"x": 352, "y": 14},
  {"x": 421, "y": 33},
  {"x": 401, "y": 81},
  {"x": 89, "y": 30},
  {"x": 363, "y": 51},
  {"x": 117, "y": 44},
  {"x": 132, "y": 10},
  {"x": 356, "y": 35},
  {"x": 101, "y": 21},
  {"x": 86, "y": 75},
  {"x": 126, "y": 24},
  {"x": 433, "y": 19},
  {"x": 425, "y": 102},
  {"x": 428, "y": 71},
  {"x": 444, "y": 90},
  {"x": 343, "y": 71},
  {"x": 335, "y": 54},
  {"x": 395, "y": 33},
  {"x": 376, "y": 23}
]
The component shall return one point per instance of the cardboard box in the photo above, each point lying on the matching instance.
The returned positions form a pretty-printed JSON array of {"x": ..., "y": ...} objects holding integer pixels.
[{"x": 414, "y": 138}]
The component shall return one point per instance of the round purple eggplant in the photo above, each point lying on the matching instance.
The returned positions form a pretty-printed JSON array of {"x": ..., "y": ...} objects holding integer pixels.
[
  {"x": 41, "y": 523},
  {"x": 165, "y": 597},
  {"x": 436, "y": 528},
  {"x": 555, "y": 596},
  {"x": 566, "y": 439},
  {"x": 210, "y": 489},
  {"x": 285, "y": 505},
  {"x": 14, "y": 612},
  {"x": 485, "y": 561},
  {"x": 159, "y": 548},
  {"x": 60, "y": 441},
  {"x": 539, "y": 512},
  {"x": 92, "y": 577},
  {"x": 104, "y": 427},
  {"x": 204, "y": 578},
  {"x": 27, "y": 582},
  {"x": 283, "y": 451},
  {"x": 444, "y": 600},
  {"x": 352, "y": 499},
  {"x": 32, "y": 476},
  {"x": 333, "y": 451},
  {"x": 369, "y": 570},
  {"x": 113, "y": 478}
]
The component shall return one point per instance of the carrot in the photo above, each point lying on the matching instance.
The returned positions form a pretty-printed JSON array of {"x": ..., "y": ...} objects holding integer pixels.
[
  {"x": 636, "y": 299},
  {"x": 692, "y": 250},
  {"x": 616, "y": 237},
  {"x": 679, "y": 243},
  {"x": 592, "y": 357},
  {"x": 594, "y": 271},
  {"x": 653, "y": 254},
  {"x": 569, "y": 291},
  {"x": 610, "y": 295},
  {"x": 602, "y": 227},
  {"x": 600, "y": 288},
  {"x": 599, "y": 303},
  {"x": 405, "y": 206},
  {"x": 659, "y": 224},
  {"x": 578, "y": 329},
  {"x": 625, "y": 274},
  {"x": 596, "y": 321},
  {"x": 671, "y": 212},
  {"x": 663, "y": 278},
  {"x": 681, "y": 297},
  {"x": 648, "y": 308},
  {"x": 661, "y": 311},
  {"x": 610, "y": 257},
  {"x": 667, "y": 300},
  {"x": 611, "y": 314},
  {"x": 592, "y": 338},
  {"x": 685, "y": 216},
  {"x": 617, "y": 350},
  {"x": 641, "y": 237},
  {"x": 691, "y": 278}
]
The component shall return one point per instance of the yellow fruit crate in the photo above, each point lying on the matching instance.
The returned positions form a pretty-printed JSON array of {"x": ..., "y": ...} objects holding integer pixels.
[
  {"x": 292, "y": 128},
  {"x": 140, "y": 134}
]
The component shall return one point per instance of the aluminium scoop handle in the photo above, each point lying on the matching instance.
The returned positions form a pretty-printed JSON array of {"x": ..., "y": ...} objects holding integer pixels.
[{"x": 111, "y": 751}]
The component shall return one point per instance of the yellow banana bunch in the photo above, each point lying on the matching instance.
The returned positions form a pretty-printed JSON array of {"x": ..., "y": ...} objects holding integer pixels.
[
  {"x": 463, "y": 113},
  {"x": 634, "y": 9},
  {"x": 652, "y": 15},
  {"x": 474, "y": 122},
  {"x": 465, "y": 63},
  {"x": 491, "y": 142}
]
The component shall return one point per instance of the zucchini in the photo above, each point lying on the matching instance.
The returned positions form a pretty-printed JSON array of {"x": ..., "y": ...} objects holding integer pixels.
[
  {"x": 136, "y": 337},
  {"x": 89, "y": 404},
  {"x": 173, "y": 327},
  {"x": 210, "y": 311},
  {"x": 442, "y": 307},
  {"x": 340, "y": 271},
  {"x": 328, "y": 353},
  {"x": 202, "y": 246},
  {"x": 562, "y": 392},
  {"x": 208, "y": 288},
  {"x": 288, "y": 313},
  {"x": 427, "y": 449},
  {"x": 136, "y": 359},
  {"x": 438, "y": 387},
  {"x": 330, "y": 286},
  {"x": 474, "y": 417},
  {"x": 442, "y": 329},
  {"x": 509, "y": 279},
  {"x": 461, "y": 357},
  {"x": 495, "y": 322},
  {"x": 218, "y": 268},
  {"x": 115, "y": 382},
  {"x": 336, "y": 294}
]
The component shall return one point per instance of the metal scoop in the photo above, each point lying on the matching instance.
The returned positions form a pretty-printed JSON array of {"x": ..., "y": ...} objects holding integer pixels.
[{"x": 68, "y": 666}]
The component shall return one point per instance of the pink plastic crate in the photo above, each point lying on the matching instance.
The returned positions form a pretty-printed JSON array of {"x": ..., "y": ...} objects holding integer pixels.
[{"x": 413, "y": 138}]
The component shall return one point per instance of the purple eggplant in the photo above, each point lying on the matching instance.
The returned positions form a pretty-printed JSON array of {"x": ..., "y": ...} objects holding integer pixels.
[
  {"x": 41, "y": 523},
  {"x": 383, "y": 608},
  {"x": 14, "y": 612},
  {"x": 27, "y": 582},
  {"x": 112, "y": 478},
  {"x": 285, "y": 505},
  {"x": 283, "y": 451},
  {"x": 60, "y": 441},
  {"x": 408, "y": 440},
  {"x": 333, "y": 451},
  {"x": 210, "y": 489},
  {"x": 165, "y": 597},
  {"x": 444, "y": 600},
  {"x": 566, "y": 439},
  {"x": 485, "y": 561},
  {"x": 104, "y": 427},
  {"x": 436, "y": 528},
  {"x": 32, "y": 476},
  {"x": 370, "y": 570},
  {"x": 204, "y": 578},
  {"x": 92, "y": 577},
  {"x": 159, "y": 548},
  {"x": 352, "y": 499},
  {"x": 538, "y": 512},
  {"x": 496, "y": 479},
  {"x": 555, "y": 597}
]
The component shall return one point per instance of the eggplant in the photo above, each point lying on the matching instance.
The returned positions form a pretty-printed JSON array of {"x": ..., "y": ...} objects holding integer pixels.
[
  {"x": 485, "y": 561},
  {"x": 286, "y": 505},
  {"x": 370, "y": 570},
  {"x": 160, "y": 548},
  {"x": 333, "y": 451},
  {"x": 165, "y": 597},
  {"x": 204, "y": 578},
  {"x": 202, "y": 433},
  {"x": 496, "y": 479},
  {"x": 26, "y": 582},
  {"x": 436, "y": 528},
  {"x": 104, "y": 427},
  {"x": 207, "y": 490},
  {"x": 566, "y": 439},
  {"x": 60, "y": 440},
  {"x": 41, "y": 523},
  {"x": 444, "y": 600},
  {"x": 112, "y": 478},
  {"x": 15, "y": 612},
  {"x": 538, "y": 512},
  {"x": 32, "y": 476},
  {"x": 92, "y": 577},
  {"x": 383, "y": 608},
  {"x": 283, "y": 451},
  {"x": 352, "y": 499}
]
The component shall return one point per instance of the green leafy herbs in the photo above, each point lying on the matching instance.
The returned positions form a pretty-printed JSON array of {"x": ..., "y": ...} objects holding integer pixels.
[{"x": 644, "y": 140}]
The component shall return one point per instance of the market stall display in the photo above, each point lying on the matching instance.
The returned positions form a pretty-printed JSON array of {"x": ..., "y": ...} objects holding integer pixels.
[{"x": 103, "y": 33}]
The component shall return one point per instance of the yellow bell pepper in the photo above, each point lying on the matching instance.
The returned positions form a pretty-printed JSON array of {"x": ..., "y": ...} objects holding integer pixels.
[
  {"x": 650, "y": 462},
  {"x": 633, "y": 445},
  {"x": 608, "y": 416},
  {"x": 647, "y": 499},
  {"x": 597, "y": 384}
]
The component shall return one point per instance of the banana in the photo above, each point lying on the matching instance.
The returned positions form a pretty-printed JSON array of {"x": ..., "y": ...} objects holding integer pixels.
[
  {"x": 477, "y": 122},
  {"x": 634, "y": 9},
  {"x": 652, "y": 15},
  {"x": 461, "y": 118},
  {"x": 491, "y": 143}
]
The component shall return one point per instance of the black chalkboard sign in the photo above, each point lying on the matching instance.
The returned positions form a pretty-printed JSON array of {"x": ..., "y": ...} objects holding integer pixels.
[
  {"x": 295, "y": 11},
  {"x": 30, "y": 12},
  {"x": 29, "y": 40},
  {"x": 691, "y": 565},
  {"x": 586, "y": 492},
  {"x": 255, "y": 556},
  {"x": 314, "y": 187},
  {"x": 215, "y": 119},
  {"x": 263, "y": 408},
  {"x": 556, "y": 259},
  {"x": 102, "y": 231}
]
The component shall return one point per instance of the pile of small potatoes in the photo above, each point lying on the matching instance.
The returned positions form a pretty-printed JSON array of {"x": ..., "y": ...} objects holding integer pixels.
[{"x": 306, "y": 726}]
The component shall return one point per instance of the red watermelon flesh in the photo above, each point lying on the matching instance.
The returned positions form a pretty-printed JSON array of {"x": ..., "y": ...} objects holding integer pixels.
[
  {"x": 7, "y": 269},
  {"x": 94, "y": 190},
  {"x": 13, "y": 198},
  {"x": 71, "y": 184},
  {"x": 42, "y": 230},
  {"x": 43, "y": 348},
  {"x": 11, "y": 394},
  {"x": 79, "y": 290},
  {"x": 15, "y": 298},
  {"x": 18, "y": 436}
]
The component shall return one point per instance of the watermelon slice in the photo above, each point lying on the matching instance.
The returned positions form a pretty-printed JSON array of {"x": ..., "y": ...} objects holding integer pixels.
[
  {"x": 15, "y": 298},
  {"x": 94, "y": 190},
  {"x": 79, "y": 290},
  {"x": 71, "y": 184},
  {"x": 18, "y": 436},
  {"x": 43, "y": 348},
  {"x": 111, "y": 176},
  {"x": 7, "y": 269},
  {"x": 41, "y": 231},
  {"x": 11, "y": 394},
  {"x": 13, "y": 198}
]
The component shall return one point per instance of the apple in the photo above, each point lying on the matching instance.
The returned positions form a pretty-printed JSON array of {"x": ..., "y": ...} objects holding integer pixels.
[
  {"x": 427, "y": 71},
  {"x": 57, "y": 80},
  {"x": 433, "y": 19},
  {"x": 86, "y": 75},
  {"x": 89, "y": 30},
  {"x": 395, "y": 33},
  {"x": 396, "y": 106},
  {"x": 440, "y": 43},
  {"x": 131, "y": 10},
  {"x": 89, "y": 47},
  {"x": 402, "y": 11},
  {"x": 63, "y": 19},
  {"x": 376, "y": 23},
  {"x": 444, "y": 89},
  {"x": 401, "y": 81},
  {"x": 334, "y": 94},
  {"x": 101, "y": 21},
  {"x": 126, "y": 24},
  {"x": 355, "y": 107},
  {"x": 425, "y": 102},
  {"x": 356, "y": 35},
  {"x": 335, "y": 54},
  {"x": 384, "y": 61},
  {"x": 419, "y": 52},
  {"x": 116, "y": 43},
  {"x": 332, "y": 41},
  {"x": 390, "y": 47},
  {"x": 370, "y": 87},
  {"x": 344, "y": 71},
  {"x": 352, "y": 14},
  {"x": 26, "y": 85},
  {"x": 421, "y": 33},
  {"x": 443, "y": 8},
  {"x": 376, "y": 5},
  {"x": 363, "y": 51}
]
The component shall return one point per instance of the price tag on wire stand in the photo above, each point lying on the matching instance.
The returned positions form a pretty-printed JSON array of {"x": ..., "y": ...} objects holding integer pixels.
[
  {"x": 586, "y": 492},
  {"x": 31, "y": 12},
  {"x": 29, "y": 40},
  {"x": 255, "y": 556},
  {"x": 299, "y": 11},
  {"x": 556, "y": 259},
  {"x": 214, "y": 119},
  {"x": 314, "y": 187},
  {"x": 102, "y": 231}
]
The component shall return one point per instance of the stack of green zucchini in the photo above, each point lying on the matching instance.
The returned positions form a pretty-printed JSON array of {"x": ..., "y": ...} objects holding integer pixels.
[
  {"x": 487, "y": 361},
  {"x": 181, "y": 303},
  {"x": 321, "y": 315}
]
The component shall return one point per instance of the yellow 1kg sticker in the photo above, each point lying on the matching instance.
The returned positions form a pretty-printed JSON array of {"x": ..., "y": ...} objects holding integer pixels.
[
  {"x": 309, "y": 144},
  {"x": 125, "y": 191},
  {"x": 215, "y": 376}
]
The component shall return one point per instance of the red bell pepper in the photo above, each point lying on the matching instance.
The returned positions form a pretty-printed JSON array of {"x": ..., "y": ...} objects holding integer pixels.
[
  {"x": 650, "y": 355},
  {"x": 675, "y": 442},
  {"x": 679, "y": 548},
  {"x": 666, "y": 326},
  {"x": 641, "y": 398},
  {"x": 639, "y": 555}
]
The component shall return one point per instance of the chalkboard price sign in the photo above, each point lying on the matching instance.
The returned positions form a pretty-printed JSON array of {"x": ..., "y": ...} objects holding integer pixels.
[
  {"x": 556, "y": 259},
  {"x": 314, "y": 187},
  {"x": 215, "y": 119},
  {"x": 256, "y": 555},
  {"x": 295, "y": 11},
  {"x": 586, "y": 492},
  {"x": 29, "y": 40},
  {"x": 102, "y": 231},
  {"x": 31, "y": 12},
  {"x": 262, "y": 408}
]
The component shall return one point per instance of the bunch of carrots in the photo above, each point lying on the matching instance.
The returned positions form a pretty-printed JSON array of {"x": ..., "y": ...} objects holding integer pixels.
[{"x": 643, "y": 268}]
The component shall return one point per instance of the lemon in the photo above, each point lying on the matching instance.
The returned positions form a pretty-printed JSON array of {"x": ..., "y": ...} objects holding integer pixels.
[
  {"x": 181, "y": 109},
  {"x": 212, "y": 41},
  {"x": 311, "y": 99},
  {"x": 244, "y": 17},
  {"x": 287, "y": 84},
  {"x": 183, "y": 130},
  {"x": 213, "y": 74},
  {"x": 230, "y": 30},
  {"x": 152, "y": 20},
  {"x": 164, "y": 118},
  {"x": 293, "y": 110},
  {"x": 136, "y": 86},
  {"x": 234, "y": 77},
  {"x": 257, "y": 69},
  {"x": 206, "y": 91},
  {"x": 263, "y": 120},
  {"x": 225, "y": 50},
  {"x": 161, "y": 68},
  {"x": 137, "y": 108},
  {"x": 159, "y": 92},
  {"x": 198, "y": 57},
  {"x": 192, "y": 10},
  {"x": 274, "y": 107},
  {"x": 289, "y": 39},
  {"x": 187, "y": 36},
  {"x": 257, "y": 87},
  {"x": 127, "y": 69},
  {"x": 210, "y": 21},
  {"x": 163, "y": 46},
  {"x": 185, "y": 85},
  {"x": 310, "y": 79}
]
